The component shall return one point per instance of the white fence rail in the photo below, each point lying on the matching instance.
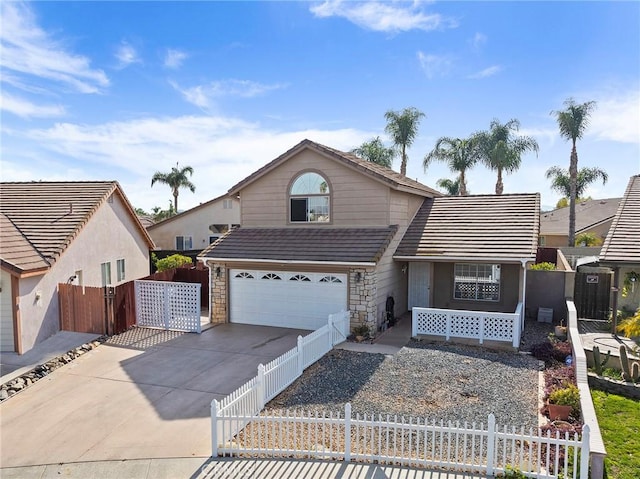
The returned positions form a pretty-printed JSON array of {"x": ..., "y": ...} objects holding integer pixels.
[
  {"x": 416, "y": 442},
  {"x": 274, "y": 377},
  {"x": 168, "y": 305},
  {"x": 480, "y": 325}
]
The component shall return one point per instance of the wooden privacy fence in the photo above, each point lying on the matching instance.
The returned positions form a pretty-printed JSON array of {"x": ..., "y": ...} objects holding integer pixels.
[
  {"x": 112, "y": 309},
  {"x": 409, "y": 442}
]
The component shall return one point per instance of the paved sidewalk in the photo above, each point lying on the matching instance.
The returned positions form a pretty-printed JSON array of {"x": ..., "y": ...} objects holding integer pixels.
[{"x": 227, "y": 468}]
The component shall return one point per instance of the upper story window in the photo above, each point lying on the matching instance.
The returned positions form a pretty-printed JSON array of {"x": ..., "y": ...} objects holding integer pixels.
[
  {"x": 309, "y": 199},
  {"x": 184, "y": 243},
  {"x": 227, "y": 204}
]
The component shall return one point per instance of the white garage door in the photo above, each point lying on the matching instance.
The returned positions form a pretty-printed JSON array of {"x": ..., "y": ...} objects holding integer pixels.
[{"x": 286, "y": 299}]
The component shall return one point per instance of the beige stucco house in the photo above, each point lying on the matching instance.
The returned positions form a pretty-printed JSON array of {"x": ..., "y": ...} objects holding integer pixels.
[
  {"x": 621, "y": 249},
  {"x": 85, "y": 233},
  {"x": 197, "y": 228},
  {"x": 322, "y": 231},
  {"x": 592, "y": 216}
]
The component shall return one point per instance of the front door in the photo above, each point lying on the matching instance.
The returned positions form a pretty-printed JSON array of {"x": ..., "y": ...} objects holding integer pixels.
[{"x": 419, "y": 284}]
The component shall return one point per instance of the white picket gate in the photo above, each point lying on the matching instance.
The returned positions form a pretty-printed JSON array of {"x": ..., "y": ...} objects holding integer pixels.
[
  {"x": 168, "y": 305},
  {"x": 412, "y": 442}
]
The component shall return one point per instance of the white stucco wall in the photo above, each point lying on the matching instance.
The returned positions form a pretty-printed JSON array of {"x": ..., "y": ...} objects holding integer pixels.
[
  {"x": 195, "y": 223},
  {"x": 111, "y": 234}
]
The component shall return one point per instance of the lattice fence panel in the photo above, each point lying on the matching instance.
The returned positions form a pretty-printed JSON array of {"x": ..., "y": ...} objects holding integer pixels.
[
  {"x": 465, "y": 326},
  {"x": 498, "y": 328},
  {"x": 432, "y": 323},
  {"x": 167, "y": 305}
]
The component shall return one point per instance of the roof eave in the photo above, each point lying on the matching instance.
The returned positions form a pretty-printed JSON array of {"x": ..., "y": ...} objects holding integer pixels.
[{"x": 206, "y": 259}]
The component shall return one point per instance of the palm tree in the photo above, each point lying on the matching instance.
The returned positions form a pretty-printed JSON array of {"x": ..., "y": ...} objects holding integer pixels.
[
  {"x": 502, "y": 149},
  {"x": 375, "y": 152},
  {"x": 561, "y": 181},
  {"x": 403, "y": 128},
  {"x": 572, "y": 122},
  {"x": 459, "y": 154},
  {"x": 176, "y": 179},
  {"x": 452, "y": 187}
]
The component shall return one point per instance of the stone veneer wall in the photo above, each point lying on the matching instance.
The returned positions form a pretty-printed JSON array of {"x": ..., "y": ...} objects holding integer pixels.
[
  {"x": 362, "y": 298},
  {"x": 218, "y": 295}
]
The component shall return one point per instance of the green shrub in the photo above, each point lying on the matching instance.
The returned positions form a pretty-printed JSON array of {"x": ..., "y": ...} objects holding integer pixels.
[
  {"x": 173, "y": 261},
  {"x": 567, "y": 396},
  {"x": 545, "y": 266}
]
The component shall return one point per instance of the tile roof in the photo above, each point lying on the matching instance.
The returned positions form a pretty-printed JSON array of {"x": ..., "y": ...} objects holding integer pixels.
[
  {"x": 474, "y": 227},
  {"x": 312, "y": 244},
  {"x": 623, "y": 240},
  {"x": 588, "y": 214},
  {"x": 394, "y": 179},
  {"x": 182, "y": 214},
  {"x": 40, "y": 219}
]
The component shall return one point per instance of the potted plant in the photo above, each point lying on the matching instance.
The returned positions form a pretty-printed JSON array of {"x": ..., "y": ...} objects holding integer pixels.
[
  {"x": 564, "y": 402},
  {"x": 560, "y": 331}
]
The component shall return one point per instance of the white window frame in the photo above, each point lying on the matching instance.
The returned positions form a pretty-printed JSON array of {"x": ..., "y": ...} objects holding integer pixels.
[
  {"x": 120, "y": 270},
  {"x": 309, "y": 198},
  {"x": 105, "y": 273},
  {"x": 227, "y": 204},
  {"x": 481, "y": 279},
  {"x": 184, "y": 242}
]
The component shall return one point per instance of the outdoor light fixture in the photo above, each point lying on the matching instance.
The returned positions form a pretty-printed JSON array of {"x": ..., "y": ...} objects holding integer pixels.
[
  {"x": 218, "y": 272},
  {"x": 404, "y": 269},
  {"x": 358, "y": 277}
]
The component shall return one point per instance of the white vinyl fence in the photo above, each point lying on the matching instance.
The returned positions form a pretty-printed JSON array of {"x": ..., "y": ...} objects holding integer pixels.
[
  {"x": 168, "y": 305},
  {"x": 480, "y": 325},
  {"x": 413, "y": 442},
  {"x": 273, "y": 378}
]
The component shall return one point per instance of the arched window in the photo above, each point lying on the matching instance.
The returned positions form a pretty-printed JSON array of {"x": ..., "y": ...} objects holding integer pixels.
[{"x": 309, "y": 199}]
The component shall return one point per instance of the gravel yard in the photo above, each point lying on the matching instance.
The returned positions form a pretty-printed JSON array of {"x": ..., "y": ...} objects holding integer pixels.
[{"x": 439, "y": 381}]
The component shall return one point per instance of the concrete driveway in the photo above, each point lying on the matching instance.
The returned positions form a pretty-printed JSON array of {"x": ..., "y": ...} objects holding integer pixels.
[{"x": 144, "y": 394}]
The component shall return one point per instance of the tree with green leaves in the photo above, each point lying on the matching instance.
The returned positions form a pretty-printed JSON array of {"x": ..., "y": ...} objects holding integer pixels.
[
  {"x": 564, "y": 202},
  {"x": 572, "y": 123},
  {"x": 561, "y": 180},
  {"x": 376, "y": 152},
  {"x": 459, "y": 154},
  {"x": 451, "y": 187},
  {"x": 502, "y": 149},
  {"x": 588, "y": 239},
  {"x": 175, "y": 179},
  {"x": 402, "y": 126}
]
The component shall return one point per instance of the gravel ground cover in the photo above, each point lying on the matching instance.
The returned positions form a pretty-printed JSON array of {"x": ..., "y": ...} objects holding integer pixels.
[{"x": 434, "y": 380}]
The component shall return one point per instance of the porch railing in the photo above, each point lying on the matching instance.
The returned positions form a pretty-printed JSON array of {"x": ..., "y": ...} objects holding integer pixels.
[{"x": 480, "y": 325}]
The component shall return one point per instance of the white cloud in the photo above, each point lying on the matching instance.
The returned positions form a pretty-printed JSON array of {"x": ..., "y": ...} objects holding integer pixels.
[
  {"x": 384, "y": 16},
  {"x": 202, "y": 95},
  {"x": 617, "y": 117},
  {"x": 173, "y": 58},
  {"x": 486, "y": 73},
  {"x": 221, "y": 150},
  {"x": 29, "y": 50},
  {"x": 434, "y": 65},
  {"x": 26, "y": 109},
  {"x": 126, "y": 55},
  {"x": 478, "y": 41}
]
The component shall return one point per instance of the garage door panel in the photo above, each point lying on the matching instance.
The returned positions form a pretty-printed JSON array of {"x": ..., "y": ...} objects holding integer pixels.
[{"x": 297, "y": 300}]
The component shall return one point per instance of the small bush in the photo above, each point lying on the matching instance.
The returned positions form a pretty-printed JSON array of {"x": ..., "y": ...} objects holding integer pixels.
[
  {"x": 551, "y": 352},
  {"x": 544, "y": 266},
  {"x": 558, "y": 378},
  {"x": 567, "y": 396},
  {"x": 173, "y": 261}
]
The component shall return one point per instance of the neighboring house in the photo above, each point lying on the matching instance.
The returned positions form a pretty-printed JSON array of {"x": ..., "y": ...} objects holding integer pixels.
[
  {"x": 592, "y": 216},
  {"x": 198, "y": 227},
  {"x": 319, "y": 227},
  {"x": 85, "y": 233},
  {"x": 471, "y": 252},
  {"x": 621, "y": 249}
]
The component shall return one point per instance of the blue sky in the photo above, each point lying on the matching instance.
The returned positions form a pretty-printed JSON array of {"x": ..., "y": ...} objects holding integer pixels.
[{"x": 109, "y": 90}]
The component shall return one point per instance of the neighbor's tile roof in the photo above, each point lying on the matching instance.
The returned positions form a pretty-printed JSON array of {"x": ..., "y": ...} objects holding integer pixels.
[
  {"x": 394, "y": 179},
  {"x": 588, "y": 214},
  {"x": 313, "y": 244},
  {"x": 41, "y": 219},
  {"x": 482, "y": 227},
  {"x": 623, "y": 240}
]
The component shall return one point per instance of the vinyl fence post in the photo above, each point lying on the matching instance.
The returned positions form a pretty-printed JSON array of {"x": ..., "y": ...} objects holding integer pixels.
[
  {"x": 261, "y": 388},
  {"x": 516, "y": 331},
  {"x": 300, "y": 358},
  {"x": 347, "y": 432},
  {"x": 330, "y": 325},
  {"x": 585, "y": 453},
  {"x": 491, "y": 442},
  {"x": 214, "y": 428},
  {"x": 414, "y": 322}
]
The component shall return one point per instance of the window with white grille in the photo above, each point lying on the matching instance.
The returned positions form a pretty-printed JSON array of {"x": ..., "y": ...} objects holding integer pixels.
[{"x": 477, "y": 282}]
